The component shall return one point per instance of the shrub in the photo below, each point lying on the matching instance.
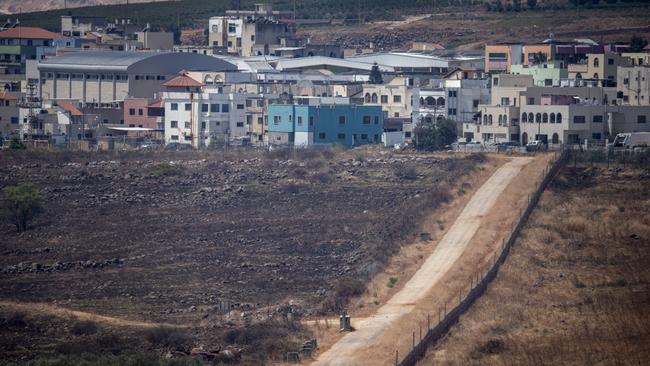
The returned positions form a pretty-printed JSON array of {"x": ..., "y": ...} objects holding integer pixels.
[
  {"x": 406, "y": 172},
  {"x": 391, "y": 282},
  {"x": 166, "y": 170},
  {"x": 323, "y": 177},
  {"x": 21, "y": 204},
  {"x": 84, "y": 327},
  {"x": 16, "y": 144},
  {"x": 168, "y": 337}
]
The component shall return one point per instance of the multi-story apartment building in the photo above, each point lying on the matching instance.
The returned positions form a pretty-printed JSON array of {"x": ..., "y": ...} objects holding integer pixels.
[
  {"x": 248, "y": 33},
  {"x": 17, "y": 45},
  {"x": 9, "y": 115},
  {"x": 319, "y": 121},
  {"x": 394, "y": 97},
  {"x": 633, "y": 85},
  {"x": 602, "y": 67},
  {"x": 545, "y": 74},
  {"x": 500, "y": 57},
  {"x": 201, "y": 115}
]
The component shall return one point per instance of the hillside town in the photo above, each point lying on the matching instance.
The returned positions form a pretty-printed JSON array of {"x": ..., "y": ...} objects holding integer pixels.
[{"x": 112, "y": 84}]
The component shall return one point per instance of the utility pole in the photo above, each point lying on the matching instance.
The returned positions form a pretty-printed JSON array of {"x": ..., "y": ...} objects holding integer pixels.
[
  {"x": 294, "y": 9},
  {"x": 359, "y": 11}
]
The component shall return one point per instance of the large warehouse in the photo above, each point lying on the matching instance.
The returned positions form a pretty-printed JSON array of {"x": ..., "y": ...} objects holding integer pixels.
[{"x": 103, "y": 77}]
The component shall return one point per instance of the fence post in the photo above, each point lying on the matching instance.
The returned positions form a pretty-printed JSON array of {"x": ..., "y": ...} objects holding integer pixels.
[
  {"x": 413, "y": 346},
  {"x": 396, "y": 357},
  {"x": 420, "y": 334},
  {"x": 428, "y": 322}
]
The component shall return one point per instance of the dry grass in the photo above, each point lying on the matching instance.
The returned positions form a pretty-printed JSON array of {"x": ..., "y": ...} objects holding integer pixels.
[{"x": 574, "y": 290}]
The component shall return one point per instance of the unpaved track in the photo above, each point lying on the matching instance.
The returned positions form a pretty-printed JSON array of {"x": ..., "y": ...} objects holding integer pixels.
[
  {"x": 47, "y": 309},
  {"x": 447, "y": 252}
]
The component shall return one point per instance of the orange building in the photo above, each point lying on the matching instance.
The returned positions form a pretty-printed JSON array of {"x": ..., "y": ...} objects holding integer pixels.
[{"x": 499, "y": 57}]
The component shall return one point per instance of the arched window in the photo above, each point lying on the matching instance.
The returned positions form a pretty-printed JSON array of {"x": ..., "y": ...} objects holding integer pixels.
[
  {"x": 596, "y": 62},
  {"x": 373, "y": 98},
  {"x": 559, "y": 118},
  {"x": 524, "y": 138},
  {"x": 531, "y": 119},
  {"x": 367, "y": 98},
  {"x": 596, "y": 75},
  {"x": 441, "y": 101},
  {"x": 578, "y": 76},
  {"x": 555, "y": 139},
  {"x": 490, "y": 120},
  {"x": 431, "y": 101},
  {"x": 499, "y": 120},
  {"x": 440, "y": 118},
  {"x": 524, "y": 118},
  {"x": 552, "y": 117},
  {"x": 538, "y": 118},
  {"x": 485, "y": 119},
  {"x": 545, "y": 118}
]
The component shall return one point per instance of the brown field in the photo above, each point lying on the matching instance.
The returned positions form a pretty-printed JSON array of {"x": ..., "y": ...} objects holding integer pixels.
[
  {"x": 472, "y": 28},
  {"x": 220, "y": 247},
  {"x": 575, "y": 288}
]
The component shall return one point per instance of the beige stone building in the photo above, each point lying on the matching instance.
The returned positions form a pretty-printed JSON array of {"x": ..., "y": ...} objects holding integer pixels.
[{"x": 633, "y": 86}]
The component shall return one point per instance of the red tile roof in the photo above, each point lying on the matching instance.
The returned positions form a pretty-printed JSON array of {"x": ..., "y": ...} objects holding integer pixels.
[
  {"x": 29, "y": 33},
  {"x": 74, "y": 111},
  {"x": 7, "y": 96},
  {"x": 155, "y": 104},
  {"x": 183, "y": 80}
]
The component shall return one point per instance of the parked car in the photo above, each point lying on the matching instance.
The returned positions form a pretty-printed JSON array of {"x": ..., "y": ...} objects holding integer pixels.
[
  {"x": 507, "y": 146},
  {"x": 536, "y": 145}
]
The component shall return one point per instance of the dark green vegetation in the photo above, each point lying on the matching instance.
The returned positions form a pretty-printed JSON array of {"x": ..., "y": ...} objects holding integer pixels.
[
  {"x": 20, "y": 204},
  {"x": 435, "y": 135},
  {"x": 174, "y": 15}
]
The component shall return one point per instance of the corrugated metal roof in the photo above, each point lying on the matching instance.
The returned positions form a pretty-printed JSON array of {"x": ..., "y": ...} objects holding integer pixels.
[
  {"x": 401, "y": 60},
  {"x": 302, "y": 62}
]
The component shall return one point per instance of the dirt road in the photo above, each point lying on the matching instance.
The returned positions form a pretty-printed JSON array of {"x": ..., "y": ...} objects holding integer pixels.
[{"x": 448, "y": 251}]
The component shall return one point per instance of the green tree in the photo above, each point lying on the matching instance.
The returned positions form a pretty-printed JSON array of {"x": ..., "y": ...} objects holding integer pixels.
[
  {"x": 435, "y": 135},
  {"x": 375, "y": 75},
  {"x": 16, "y": 144},
  {"x": 21, "y": 204},
  {"x": 637, "y": 44}
]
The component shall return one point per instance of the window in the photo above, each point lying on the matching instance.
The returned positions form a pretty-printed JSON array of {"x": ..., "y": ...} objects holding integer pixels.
[
  {"x": 640, "y": 119},
  {"x": 552, "y": 117},
  {"x": 595, "y": 136},
  {"x": 232, "y": 27},
  {"x": 174, "y": 124},
  {"x": 340, "y": 136},
  {"x": 203, "y": 125},
  {"x": 174, "y": 106},
  {"x": 131, "y": 111},
  {"x": 451, "y": 111},
  {"x": 240, "y": 124},
  {"x": 524, "y": 117},
  {"x": 364, "y": 136},
  {"x": 373, "y": 98},
  {"x": 249, "y": 120},
  {"x": 384, "y": 99},
  {"x": 453, "y": 94},
  {"x": 205, "y": 107},
  {"x": 598, "y": 119},
  {"x": 277, "y": 120},
  {"x": 548, "y": 82},
  {"x": 188, "y": 106},
  {"x": 475, "y": 103},
  {"x": 311, "y": 120},
  {"x": 578, "y": 119},
  {"x": 559, "y": 118},
  {"x": 495, "y": 81},
  {"x": 596, "y": 62},
  {"x": 214, "y": 108},
  {"x": 396, "y": 115},
  {"x": 299, "y": 121},
  {"x": 260, "y": 120},
  {"x": 240, "y": 106},
  {"x": 505, "y": 101},
  {"x": 321, "y": 135},
  {"x": 14, "y": 120},
  {"x": 610, "y": 61},
  {"x": 545, "y": 118},
  {"x": 531, "y": 101},
  {"x": 376, "y": 120},
  {"x": 406, "y": 134},
  {"x": 188, "y": 125},
  {"x": 341, "y": 120},
  {"x": 397, "y": 98},
  {"x": 140, "y": 112},
  {"x": 366, "y": 120},
  {"x": 188, "y": 138},
  {"x": 538, "y": 118},
  {"x": 174, "y": 137},
  {"x": 225, "y": 108},
  {"x": 249, "y": 103}
]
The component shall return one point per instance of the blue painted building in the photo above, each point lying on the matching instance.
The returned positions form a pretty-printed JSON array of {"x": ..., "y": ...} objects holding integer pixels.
[{"x": 306, "y": 125}]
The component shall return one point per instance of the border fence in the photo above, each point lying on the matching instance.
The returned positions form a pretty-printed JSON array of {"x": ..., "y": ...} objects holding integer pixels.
[{"x": 446, "y": 316}]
